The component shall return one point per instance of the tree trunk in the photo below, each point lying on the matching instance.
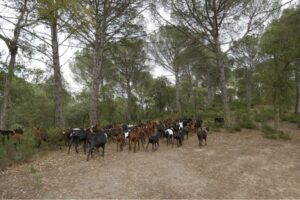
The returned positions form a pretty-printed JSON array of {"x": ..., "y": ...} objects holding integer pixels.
[
  {"x": 129, "y": 110},
  {"x": 220, "y": 62},
  {"x": 248, "y": 88},
  {"x": 95, "y": 87},
  {"x": 178, "y": 106},
  {"x": 297, "y": 79},
  {"x": 98, "y": 62},
  {"x": 5, "y": 108},
  {"x": 276, "y": 110},
  {"x": 210, "y": 89},
  {"x": 224, "y": 93},
  {"x": 58, "y": 90}
]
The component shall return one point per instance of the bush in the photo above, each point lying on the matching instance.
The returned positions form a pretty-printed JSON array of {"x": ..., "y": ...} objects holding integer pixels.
[
  {"x": 244, "y": 119},
  {"x": 245, "y": 122},
  {"x": 293, "y": 118},
  {"x": 53, "y": 139},
  {"x": 271, "y": 133},
  {"x": 234, "y": 128},
  {"x": 11, "y": 153},
  {"x": 263, "y": 115}
]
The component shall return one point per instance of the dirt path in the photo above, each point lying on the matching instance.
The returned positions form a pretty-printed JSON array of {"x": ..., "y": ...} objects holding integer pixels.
[{"x": 240, "y": 165}]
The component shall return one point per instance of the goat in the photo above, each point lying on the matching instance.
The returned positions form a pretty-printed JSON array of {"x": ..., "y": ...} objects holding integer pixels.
[
  {"x": 154, "y": 140},
  {"x": 77, "y": 136},
  {"x": 121, "y": 140},
  {"x": 202, "y": 135},
  {"x": 17, "y": 136},
  {"x": 40, "y": 135},
  {"x": 169, "y": 135},
  {"x": 135, "y": 138},
  {"x": 219, "y": 120},
  {"x": 5, "y": 133},
  {"x": 96, "y": 140},
  {"x": 178, "y": 136},
  {"x": 65, "y": 135}
]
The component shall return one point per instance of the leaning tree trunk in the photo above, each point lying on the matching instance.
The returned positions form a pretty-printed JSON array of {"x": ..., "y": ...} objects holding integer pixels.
[
  {"x": 5, "y": 108},
  {"x": 297, "y": 79},
  {"x": 58, "y": 91}
]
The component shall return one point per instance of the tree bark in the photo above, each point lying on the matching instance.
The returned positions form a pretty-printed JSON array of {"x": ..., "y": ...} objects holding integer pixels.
[
  {"x": 276, "y": 110},
  {"x": 129, "y": 99},
  {"x": 95, "y": 87},
  {"x": 5, "y": 108},
  {"x": 12, "y": 45},
  {"x": 220, "y": 62},
  {"x": 224, "y": 93},
  {"x": 249, "y": 85},
  {"x": 210, "y": 90},
  {"x": 98, "y": 62},
  {"x": 297, "y": 79},
  {"x": 178, "y": 106},
  {"x": 58, "y": 90},
  {"x": 222, "y": 81}
]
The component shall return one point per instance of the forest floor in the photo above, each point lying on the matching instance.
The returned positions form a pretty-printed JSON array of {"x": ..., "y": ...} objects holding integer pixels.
[{"x": 232, "y": 165}]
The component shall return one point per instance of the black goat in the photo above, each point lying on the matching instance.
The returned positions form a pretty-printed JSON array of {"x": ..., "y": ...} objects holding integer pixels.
[
  {"x": 154, "y": 140},
  {"x": 179, "y": 136},
  {"x": 96, "y": 141},
  {"x": 5, "y": 133},
  {"x": 78, "y": 136},
  {"x": 219, "y": 120},
  {"x": 198, "y": 123},
  {"x": 202, "y": 135}
]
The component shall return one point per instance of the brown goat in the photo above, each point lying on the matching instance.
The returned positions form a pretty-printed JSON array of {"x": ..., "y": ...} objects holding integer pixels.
[
  {"x": 120, "y": 141},
  {"x": 65, "y": 135},
  {"x": 135, "y": 138},
  {"x": 39, "y": 135}
]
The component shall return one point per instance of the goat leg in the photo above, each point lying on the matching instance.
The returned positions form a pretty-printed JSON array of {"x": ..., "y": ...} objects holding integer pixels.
[
  {"x": 70, "y": 144},
  {"x": 76, "y": 146},
  {"x": 84, "y": 147},
  {"x": 87, "y": 158},
  {"x": 147, "y": 146}
]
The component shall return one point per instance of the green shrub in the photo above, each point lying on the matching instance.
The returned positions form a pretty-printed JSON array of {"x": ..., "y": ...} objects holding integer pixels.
[
  {"x": 293, "y": 118},
  {"x": 263, "y": 115},
  {"x": 11, "y": 153},
  {"x": 245, "y": 122},
  {"x": 271, "y": 133},
  {"x": 53, "y": 139},
  {"x": 244, "y": 119},
  {"x": 37, "y": 178},
  {"x": 215, "y": 129},
  {"x": 234, "y": 128}
]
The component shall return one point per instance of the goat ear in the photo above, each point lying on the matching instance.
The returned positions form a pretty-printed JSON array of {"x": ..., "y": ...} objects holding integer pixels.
[{"x": 207, "y": 128}]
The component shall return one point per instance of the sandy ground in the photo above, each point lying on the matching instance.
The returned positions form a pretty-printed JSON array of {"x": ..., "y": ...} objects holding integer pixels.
[{"x": 232, "y": 165}]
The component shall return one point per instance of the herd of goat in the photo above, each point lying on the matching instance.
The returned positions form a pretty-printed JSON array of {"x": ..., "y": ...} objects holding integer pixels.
[{"x": 150, "y": 132}]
